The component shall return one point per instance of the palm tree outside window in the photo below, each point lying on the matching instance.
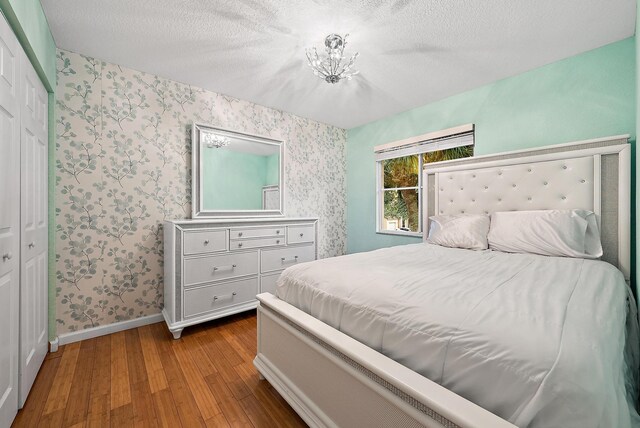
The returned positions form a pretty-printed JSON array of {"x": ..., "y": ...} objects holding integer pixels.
[{"x": 400, "y": 189}]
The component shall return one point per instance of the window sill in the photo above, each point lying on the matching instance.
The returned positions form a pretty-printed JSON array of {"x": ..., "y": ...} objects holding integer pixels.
[{"x": 399, "y": 233}]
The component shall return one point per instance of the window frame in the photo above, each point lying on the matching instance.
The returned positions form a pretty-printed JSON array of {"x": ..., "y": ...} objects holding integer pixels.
[
  {"x": 430, "y": 143},
  {"x": 380, "y": 189}
]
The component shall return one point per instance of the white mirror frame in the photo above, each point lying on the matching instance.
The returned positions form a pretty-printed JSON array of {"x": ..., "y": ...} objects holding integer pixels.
[{"x": 197, "y": 209}]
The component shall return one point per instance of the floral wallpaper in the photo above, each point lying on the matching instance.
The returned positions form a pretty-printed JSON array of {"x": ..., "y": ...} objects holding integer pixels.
[{"x": 123, "y": 166}]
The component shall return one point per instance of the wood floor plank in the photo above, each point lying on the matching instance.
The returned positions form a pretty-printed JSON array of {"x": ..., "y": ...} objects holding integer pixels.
[
  {"x": 153, "y": 365},
  {"x": 256, "y": 413},
  {"x": 144, "y": 413},
  {"x": 142, "y": 377},
  {"x": 99, "y": 412},
  {"x": 120, "y": 387},
  {"x": 52, "y": 420},
  {"x": 199, "y": 356},
  {"x": 260, "y": 390},
  {"x": 157, "y": 381},
  {"x": 135, "y": 357},
  {"x": 38, "y": 395},
  {"x": 166, "y": 409},
  {"x": 247, "y": 335},
  {"x": 78, "y": 406},
  {"x": 236, "y": 343},
  {"x": 248, "y": 373},
  {"x": 122, "y": 416},
  {"x": 186, "y": 406},
  {"x": 285, "y": 406},
  {"x": 101, "y": 376},
  {"x": 199, "y": 329},
  {"x": 57, "y": 354},
  {"x": 143, "y": 407},
  {"x": 218, "y": 421},
  {"x": 205, "y": 399},
  {"x": 225, "y": 369},
  {"x": 231, "y": 408},
  {"x": 59, "y": 394},
  {"x": 227, "y": 351},
  {"x": 99, "y": 415}
]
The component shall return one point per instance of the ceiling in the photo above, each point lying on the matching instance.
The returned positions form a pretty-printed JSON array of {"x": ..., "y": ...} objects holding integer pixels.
[{"x": 412, "y": 52}]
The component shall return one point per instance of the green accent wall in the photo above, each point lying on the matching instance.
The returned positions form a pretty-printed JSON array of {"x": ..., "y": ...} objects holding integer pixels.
[
  {"x": 273, "y": 170},
  {"x": 634, "y": 231},
  {"x": 234, "y": 180},
  {"x": 586, "y": 96},
  {"x": 28, "y": 21}
]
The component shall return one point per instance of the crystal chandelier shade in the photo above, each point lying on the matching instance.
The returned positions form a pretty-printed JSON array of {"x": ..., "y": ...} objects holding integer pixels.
[
  {"x": 333, "y": 67},
  {"x": 214, "y": 140}
]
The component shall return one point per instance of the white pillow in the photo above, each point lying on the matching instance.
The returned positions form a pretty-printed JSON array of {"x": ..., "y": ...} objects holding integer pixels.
[
  {"x": 460, "y": 231},
  {"x": 562, "y": 233}
]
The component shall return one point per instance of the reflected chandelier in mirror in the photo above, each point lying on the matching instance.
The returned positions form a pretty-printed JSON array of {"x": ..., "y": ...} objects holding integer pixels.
[{"x": 236, "y": 174}]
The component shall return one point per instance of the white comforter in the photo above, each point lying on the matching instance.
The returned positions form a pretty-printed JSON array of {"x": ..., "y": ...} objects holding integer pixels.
[{"x": 539, "y": 341}]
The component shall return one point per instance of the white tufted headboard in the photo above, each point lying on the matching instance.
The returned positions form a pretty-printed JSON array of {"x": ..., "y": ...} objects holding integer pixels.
[{"x": 593, "y": 175}]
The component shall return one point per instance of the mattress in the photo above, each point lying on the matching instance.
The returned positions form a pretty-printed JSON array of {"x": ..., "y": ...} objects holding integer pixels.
[{"x": 539, "y": 341}]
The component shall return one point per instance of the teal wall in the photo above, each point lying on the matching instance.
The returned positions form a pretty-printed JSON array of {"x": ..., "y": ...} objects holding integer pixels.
[
  {"x": 234, "y": 180},
  {"x": 273, "y": 170},
  {"x": 637, "y": 157},
  {"x": 586, "y": 96},
  {"x": 29, "y": 23}
]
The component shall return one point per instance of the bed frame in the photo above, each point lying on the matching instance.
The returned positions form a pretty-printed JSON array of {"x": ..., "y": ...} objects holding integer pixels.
[{"x": 332, "y": 380}]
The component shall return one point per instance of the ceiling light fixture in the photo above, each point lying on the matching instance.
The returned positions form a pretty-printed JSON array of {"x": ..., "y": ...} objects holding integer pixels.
[
  {"x": 332, "y": 68},
  {"x": 214, "y": 140}
]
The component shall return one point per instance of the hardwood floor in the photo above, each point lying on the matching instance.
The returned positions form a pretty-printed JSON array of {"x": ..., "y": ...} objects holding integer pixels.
[{"x": 142, "y": 377}]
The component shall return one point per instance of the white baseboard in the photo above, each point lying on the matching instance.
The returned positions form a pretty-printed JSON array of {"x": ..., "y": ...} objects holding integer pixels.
[
  {"x": 102, "y": 330},
  {"x": 53, "y": 345}
]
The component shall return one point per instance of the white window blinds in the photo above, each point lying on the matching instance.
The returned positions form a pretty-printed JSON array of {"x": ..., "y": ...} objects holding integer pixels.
[{"x": 431, "y": 142}]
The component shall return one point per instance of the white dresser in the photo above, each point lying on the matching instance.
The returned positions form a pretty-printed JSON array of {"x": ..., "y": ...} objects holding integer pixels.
[{"x": 214, "y": 268}]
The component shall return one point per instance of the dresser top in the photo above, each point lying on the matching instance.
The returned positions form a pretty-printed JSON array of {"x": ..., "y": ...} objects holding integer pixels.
[{"x": 241, "y": 221}]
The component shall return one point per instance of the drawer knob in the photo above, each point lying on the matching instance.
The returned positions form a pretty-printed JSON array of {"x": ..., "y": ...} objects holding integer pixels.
[
  {"x": 301, "y": 235},
  {"x": 231, "y": 267},
  {"x": 239, "y": 244},
  {"x": 7, "y": 256},
  {"x": 231, "y": 296},
  {"x": 277, "y": 241},
  {"x": 240, "y": 234},
  {"x": 206, "y": 242},
  {"x": 284, "y": 260},
  {"x": 32, "y": 244},
  {"x": 277, "y": 232}
]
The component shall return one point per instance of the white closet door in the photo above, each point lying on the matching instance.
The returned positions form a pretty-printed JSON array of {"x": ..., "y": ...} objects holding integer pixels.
[
  {"x": 9, "y": 223},
  {"x": 33, "y": 216}
]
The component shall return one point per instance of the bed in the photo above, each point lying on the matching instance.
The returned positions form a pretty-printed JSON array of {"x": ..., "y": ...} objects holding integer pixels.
[{"x": 490, "y": 339}]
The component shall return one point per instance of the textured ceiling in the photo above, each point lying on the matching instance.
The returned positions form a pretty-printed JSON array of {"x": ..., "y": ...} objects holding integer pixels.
[{"x": 411, "y": 52}]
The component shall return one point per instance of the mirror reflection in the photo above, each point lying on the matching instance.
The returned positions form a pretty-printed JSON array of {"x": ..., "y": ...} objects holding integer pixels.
[{"x": 238, "y": 172}]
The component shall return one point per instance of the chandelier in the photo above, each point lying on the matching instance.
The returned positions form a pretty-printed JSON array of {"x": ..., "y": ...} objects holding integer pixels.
[
  {"x": 333, "y": 67},
  {"x": 214, "y": 140}
]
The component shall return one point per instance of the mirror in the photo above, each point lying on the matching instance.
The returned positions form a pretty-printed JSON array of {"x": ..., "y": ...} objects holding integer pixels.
[{"x": 236, "y": 174}]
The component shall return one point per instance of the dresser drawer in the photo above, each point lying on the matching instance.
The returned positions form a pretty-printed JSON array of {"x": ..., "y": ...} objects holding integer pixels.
[
  {"x": 205, "y": 242},
  {"x": 255, "y": 243},
  {"x": 300, "y": 234},
  {"x": 273, "y": 260},
  {"x": 268, "y": 283},
  {"x": 214, "y": 268},
  {"x": 256, "y": 233},
  {"x": 200, "y": 300}
]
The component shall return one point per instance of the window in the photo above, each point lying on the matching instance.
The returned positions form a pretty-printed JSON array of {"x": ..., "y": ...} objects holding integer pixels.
[{"x": 399, "y": 166}]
